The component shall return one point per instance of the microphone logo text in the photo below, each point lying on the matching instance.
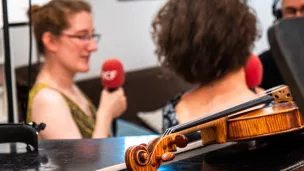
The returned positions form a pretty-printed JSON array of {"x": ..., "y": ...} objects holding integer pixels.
[{"x": 109, "y": 75}]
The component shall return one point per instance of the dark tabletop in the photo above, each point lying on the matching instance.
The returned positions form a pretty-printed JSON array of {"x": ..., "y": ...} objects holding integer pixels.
[{"x": 279, "y": 153}]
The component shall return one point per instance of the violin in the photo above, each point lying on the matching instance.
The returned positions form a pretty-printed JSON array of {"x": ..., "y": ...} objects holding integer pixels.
[{"x": 279, "y": 114}]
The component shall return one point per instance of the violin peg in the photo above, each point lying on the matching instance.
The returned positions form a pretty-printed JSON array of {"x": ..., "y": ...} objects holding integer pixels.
[
  {"x": 169, "y": 156},
  {"x": 181, "y": 141}
]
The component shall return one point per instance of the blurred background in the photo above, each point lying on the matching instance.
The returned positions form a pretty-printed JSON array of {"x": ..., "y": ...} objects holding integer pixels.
[{"x": 125, "y": 27}]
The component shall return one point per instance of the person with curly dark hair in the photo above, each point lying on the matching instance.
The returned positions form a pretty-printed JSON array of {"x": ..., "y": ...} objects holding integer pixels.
[{"x": 207, "y": 43}]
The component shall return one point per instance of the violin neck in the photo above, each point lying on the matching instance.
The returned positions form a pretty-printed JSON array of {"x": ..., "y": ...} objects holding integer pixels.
[{"x": 195, "y": 125}]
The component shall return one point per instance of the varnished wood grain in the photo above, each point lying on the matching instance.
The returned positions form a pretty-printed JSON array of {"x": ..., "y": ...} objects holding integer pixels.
[{"x": 262, "y": 126}]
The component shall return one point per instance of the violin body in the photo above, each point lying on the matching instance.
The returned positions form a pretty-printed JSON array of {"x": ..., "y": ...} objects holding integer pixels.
[
  {"x": 284, "y": 117},
  {"x": 281, "y": 116},
  {"x": 278, "y": 119}
]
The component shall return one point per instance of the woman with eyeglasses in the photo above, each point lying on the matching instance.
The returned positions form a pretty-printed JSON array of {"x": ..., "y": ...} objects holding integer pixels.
[{"x": 65, "y": 37}]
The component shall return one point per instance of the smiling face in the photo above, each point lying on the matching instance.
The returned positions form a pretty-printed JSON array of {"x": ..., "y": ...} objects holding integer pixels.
[
  {"x": 292, "y": 8},
  {"x": 75, "y": 44}
]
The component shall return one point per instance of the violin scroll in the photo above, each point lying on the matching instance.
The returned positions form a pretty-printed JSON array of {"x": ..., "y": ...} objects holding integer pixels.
[{"x": 149, "y": 157}]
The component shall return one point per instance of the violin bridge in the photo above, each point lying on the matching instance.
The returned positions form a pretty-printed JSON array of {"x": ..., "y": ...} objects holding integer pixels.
[{"x": 283, "y": 94}]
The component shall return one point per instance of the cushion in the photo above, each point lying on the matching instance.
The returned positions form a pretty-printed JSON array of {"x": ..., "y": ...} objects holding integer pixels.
[{"x": 154, "y": 119}]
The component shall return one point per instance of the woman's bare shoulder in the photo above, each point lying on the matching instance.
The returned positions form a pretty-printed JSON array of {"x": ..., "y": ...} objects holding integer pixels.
[
  {"x": 48, "y": 95},
  {"x": 48, "y": 98},
  {"x": 49, "y": 107}
]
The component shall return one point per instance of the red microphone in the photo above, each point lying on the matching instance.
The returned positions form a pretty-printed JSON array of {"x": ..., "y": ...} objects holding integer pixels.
[
  {"x": 254, "y": 71},
  {"x": 112, "y": 76}
]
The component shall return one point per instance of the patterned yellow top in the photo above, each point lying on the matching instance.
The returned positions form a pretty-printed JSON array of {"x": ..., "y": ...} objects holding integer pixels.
[{"x": 84, "y": 122}]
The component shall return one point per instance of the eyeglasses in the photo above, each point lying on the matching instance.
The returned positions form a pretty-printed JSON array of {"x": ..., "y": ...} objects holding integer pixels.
[
  {"x": 85, "y": 38},
  {"x": 292, "y": 12}
]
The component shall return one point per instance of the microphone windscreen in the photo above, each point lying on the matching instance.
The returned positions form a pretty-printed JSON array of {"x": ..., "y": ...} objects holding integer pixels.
[
  {"x": 112, "y": 73},
  {"x": 254, "y": 71}
]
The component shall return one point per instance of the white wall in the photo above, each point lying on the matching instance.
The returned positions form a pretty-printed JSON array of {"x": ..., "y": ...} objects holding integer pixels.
[
  {"x": 263, "y": 9},
  {"x": 125, "y": 29},
  {"x": 17, "y": 10}
]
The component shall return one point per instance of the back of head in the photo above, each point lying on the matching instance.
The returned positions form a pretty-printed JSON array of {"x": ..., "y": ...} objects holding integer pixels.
[
  {"x": 203, "y": 40},
  {"x": 53, "y": 17}
]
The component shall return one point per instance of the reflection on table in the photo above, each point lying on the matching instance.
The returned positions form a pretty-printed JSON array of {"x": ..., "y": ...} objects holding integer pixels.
[{"x": 279, "y": 153}]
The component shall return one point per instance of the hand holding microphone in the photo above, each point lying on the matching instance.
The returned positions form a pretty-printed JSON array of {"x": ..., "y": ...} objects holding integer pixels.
[
  {"x": 112, "y": 98},
  {"x": 114, "y": 103}
]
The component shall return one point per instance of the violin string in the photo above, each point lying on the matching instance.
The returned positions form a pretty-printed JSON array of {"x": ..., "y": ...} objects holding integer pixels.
[
  {"x": 265, "y": 93},
  {"x": 170, "y": 131},
  {"x": 165, "y": 133},
  {"x": 271, "y": 90}
]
